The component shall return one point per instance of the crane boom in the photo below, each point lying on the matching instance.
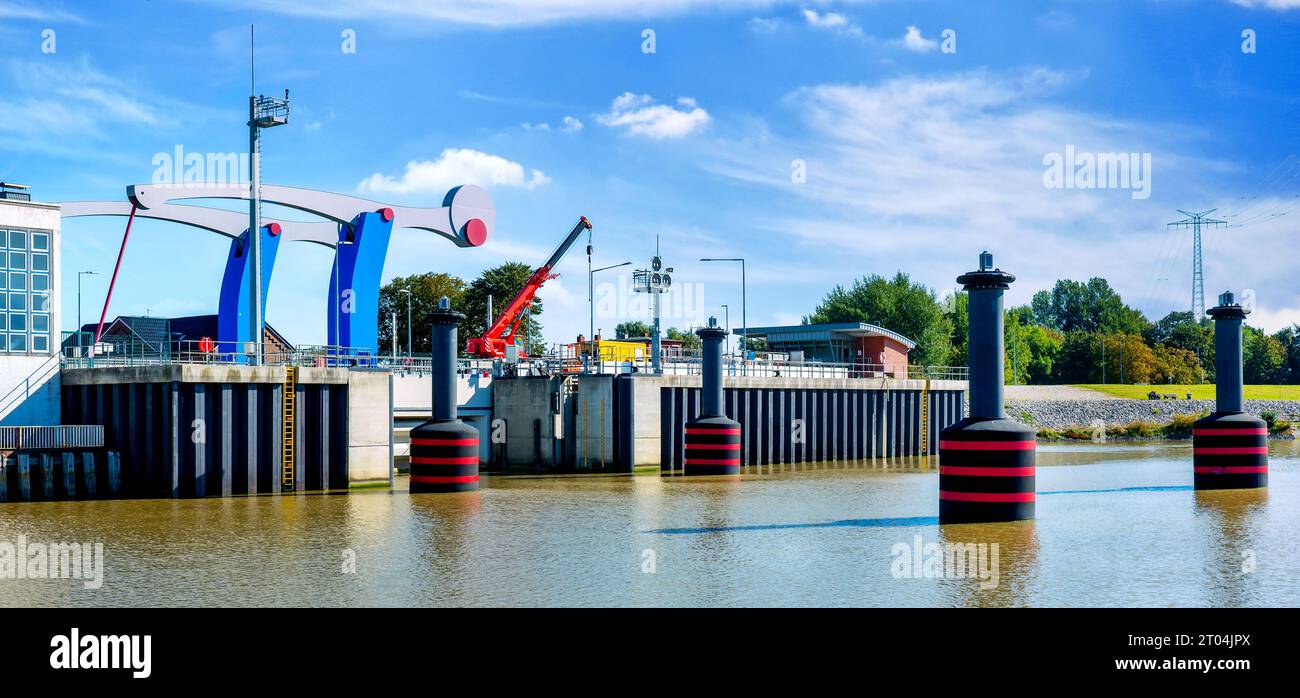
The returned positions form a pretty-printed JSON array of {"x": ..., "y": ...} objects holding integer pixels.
[{"x": 493, "y": 343}]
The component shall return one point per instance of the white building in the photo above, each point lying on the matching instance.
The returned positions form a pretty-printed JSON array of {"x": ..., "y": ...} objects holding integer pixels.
[{"x": 30, "y": 306}]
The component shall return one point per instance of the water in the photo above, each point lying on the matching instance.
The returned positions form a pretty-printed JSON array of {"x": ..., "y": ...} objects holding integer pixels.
[{"x": 1118, "y": 525}]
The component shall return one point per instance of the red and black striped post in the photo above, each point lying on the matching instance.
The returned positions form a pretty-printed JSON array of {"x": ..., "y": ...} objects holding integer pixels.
[
  {"x": 986, "y": 462},
  {"x": 712, "y": 445},
  {"x": 1229, "y": 447},
  {"x": 444, "y": 450}
]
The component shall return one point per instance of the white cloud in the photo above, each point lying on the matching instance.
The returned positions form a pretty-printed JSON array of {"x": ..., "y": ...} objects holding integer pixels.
[
  {"x": 914, "y": 41},
  {"x": 496, "y": 13},
  {"x": 568, "y": 125},
  {"x": 641, "y": 116},
  {"x": 455, "y": 166},
  {"x": 25, "y": 11},
  {"x": 831, "y": 20},
  {"x": 1270, "y": 4},
  {"x": 921, "y": 173},
  {"x": 764, "y": 25}
]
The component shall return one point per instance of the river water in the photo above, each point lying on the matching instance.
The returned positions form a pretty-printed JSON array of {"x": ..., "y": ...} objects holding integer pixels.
[{"x": 1117, "y": 525}]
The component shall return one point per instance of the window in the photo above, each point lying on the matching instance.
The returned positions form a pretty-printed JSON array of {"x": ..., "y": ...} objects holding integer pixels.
[{"x": 25, "y": 289}]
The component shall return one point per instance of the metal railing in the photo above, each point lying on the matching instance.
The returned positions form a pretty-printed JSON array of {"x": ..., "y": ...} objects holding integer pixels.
[
  {"x": 67, "y": 436},
  {"x": 105, "y": 354},
  {"x": 78, "y": 354}
]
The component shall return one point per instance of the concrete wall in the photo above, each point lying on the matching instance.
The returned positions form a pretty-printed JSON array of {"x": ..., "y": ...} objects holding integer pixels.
[
  {"x": 370, "y": 426},
  {"x": 531, "y": 427},
  {"x": 29, "y": 390},
  {"x": 594, "y": 423}
]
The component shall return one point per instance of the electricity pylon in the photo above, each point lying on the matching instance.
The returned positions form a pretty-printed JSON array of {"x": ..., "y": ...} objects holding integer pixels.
[{"x": 1195, "y": 221}]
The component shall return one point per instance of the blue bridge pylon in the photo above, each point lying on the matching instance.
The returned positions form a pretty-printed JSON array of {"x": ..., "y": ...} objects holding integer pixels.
[{"x": 358, "y": 230}]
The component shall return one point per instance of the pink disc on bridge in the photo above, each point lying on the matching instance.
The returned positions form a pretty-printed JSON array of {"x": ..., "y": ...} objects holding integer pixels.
[
  {"x": 274, "y": 229},
  {"x": 476, "y": 232}
]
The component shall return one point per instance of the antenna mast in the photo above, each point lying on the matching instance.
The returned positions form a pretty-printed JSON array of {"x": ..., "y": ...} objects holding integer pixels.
[{"x": 263, "y": 112}]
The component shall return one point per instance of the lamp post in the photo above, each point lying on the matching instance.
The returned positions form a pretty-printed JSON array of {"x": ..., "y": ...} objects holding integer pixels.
[
  {"x": 726, "y": 320},
  {"x": 79, "y": 275},
  {"x": 744, "y": 325},
  {"x": 410, "y": 349}
]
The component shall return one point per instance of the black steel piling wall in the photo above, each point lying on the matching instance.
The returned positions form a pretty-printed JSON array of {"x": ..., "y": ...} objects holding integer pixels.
[
  {"x": 198, "y": 439},
  {"x": 804, "y": 425}
]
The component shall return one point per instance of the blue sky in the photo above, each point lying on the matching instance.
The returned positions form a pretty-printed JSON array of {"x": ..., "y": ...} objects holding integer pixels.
[{"x": 916, "y": 158}]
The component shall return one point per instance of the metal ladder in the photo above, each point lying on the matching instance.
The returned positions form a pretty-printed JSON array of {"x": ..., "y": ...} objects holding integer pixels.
[
  {"x": 289, "y": 420},
  {"x": 925, "y": 418}
]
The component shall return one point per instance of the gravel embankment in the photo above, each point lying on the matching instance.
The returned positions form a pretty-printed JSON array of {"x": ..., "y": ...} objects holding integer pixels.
[{"x": 1059, "y": 414}]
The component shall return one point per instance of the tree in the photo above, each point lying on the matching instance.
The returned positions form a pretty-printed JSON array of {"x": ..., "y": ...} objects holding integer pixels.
[
  {"x": 1290, "y": 339},
  {"x": 1178, "y": 366},
  {"x": 1128, "y": 359},
  {"x": 632, "y": 329},
  {"x": 1265, "y": 357},
  {"x": 1181, "y": 330},
  {"x": 1088, "y": 307},
  {"x": 503, "y": 283},
  {"x": 956, "y": 307},
  {"x": 689, "y": 339},
  {"x": 425, "y": 289},
  {"x": 1078, "y": 360},
  {"x": 897, "y": 304},
  {"x": 1030, "y": 350}
]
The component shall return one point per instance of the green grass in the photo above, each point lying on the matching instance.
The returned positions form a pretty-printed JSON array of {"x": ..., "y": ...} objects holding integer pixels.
[{"x": 1199, "y": 392}]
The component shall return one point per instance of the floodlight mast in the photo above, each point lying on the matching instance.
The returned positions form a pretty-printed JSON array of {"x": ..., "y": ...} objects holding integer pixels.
[{"x": 263, "y": 112}]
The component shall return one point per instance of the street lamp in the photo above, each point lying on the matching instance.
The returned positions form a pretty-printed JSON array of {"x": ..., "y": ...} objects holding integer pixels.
[
  {"x": 410, "y": 350},
  {"x": 79, "y": 275},
  {"x": 744, "y": 325},
  {"x": 726, "y": 315}
]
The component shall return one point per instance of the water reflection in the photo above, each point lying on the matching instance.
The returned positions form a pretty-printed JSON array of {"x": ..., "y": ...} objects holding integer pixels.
[
  {"x": 1013, "y": 562},
  {"x": 1229, "y": 523}
]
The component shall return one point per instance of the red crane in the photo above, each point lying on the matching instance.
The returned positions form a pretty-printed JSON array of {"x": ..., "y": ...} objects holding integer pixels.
[{"x": 493, "y": 343}]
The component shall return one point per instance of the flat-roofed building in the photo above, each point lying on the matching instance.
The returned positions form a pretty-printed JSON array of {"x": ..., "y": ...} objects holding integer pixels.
[
  {"x": 30, "y": 305},
  {"x": 874, "y": 348}
]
